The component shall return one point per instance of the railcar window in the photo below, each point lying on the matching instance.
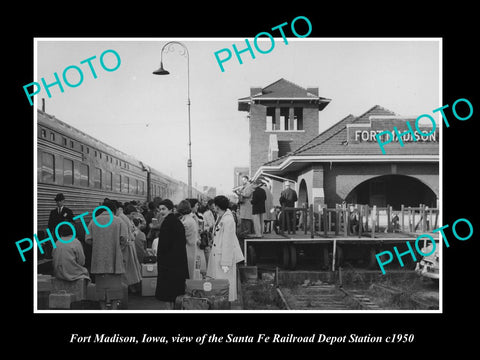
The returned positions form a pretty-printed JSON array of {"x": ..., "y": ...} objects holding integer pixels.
[
  {"x": 48, "y": 168},
  {"x": 67, "y": 172},
  {"x": 108, "y": 180},
  {"x": 84, "y": 175},
  {"x": 98, "y": 178}
]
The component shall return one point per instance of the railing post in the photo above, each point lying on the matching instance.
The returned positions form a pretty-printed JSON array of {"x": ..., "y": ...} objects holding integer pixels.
[
  {"x": 325, "y": 227},
  {"x": 389, "y": 219},
  {"x": 312, "y": 221},
  {"x": 374, "y": 220},
  {"x": 402, "y": 223},
  {"x": 282, "y": 221},
  {"x": 337, "y": 221}
]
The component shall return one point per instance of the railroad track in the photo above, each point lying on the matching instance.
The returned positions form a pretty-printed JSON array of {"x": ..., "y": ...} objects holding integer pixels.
[{"x": 325, "y": 297}]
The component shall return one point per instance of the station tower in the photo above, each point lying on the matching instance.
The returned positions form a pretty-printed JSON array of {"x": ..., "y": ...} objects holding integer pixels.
[{"x": 282, "y": 117}]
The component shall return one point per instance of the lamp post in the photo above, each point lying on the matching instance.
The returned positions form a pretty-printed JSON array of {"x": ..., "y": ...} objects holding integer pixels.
[{"x": 161, "y": 71}]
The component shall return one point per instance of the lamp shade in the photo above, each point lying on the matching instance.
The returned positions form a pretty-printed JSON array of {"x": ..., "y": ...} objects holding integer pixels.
[{"x": 161, "y": 70}]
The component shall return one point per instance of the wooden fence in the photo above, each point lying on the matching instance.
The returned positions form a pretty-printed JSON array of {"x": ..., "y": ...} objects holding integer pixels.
[{"x": 358, "y": 220}]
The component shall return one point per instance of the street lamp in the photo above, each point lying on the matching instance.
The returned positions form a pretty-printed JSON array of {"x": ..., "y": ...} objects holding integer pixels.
[{"x": 161, "y": 71}]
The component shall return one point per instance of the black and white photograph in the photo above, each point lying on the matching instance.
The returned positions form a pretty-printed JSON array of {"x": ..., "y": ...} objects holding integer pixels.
[
  {"x": 287, "y": 198},
  {"x": 274, "y": 187}
]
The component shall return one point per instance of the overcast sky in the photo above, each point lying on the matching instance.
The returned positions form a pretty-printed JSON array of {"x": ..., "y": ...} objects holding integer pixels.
[{"x": 146, "y": 115}]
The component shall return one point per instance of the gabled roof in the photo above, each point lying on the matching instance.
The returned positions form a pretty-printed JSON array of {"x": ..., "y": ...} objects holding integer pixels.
[
  {"x": 283, "y": 89},
  {"x": 333, "y": 141}
]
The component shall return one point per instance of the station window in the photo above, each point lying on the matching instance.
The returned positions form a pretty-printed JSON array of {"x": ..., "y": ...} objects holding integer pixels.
[
  {"x": 67, "y": 172},
  {"x": 88, "y": 150},
  {"x": 100, "y": 154},
  {"x": 118, "y": 183},
  {"x": 48, "y": 168},
  {"x": 81, "y": 148},
  {"x": 284, "y": 123},
  {"x": 84, "y": 175},
  {"x": 271, "y": 122},
  {"x": 108, "y": 180},
  {"x": 98, "y": 178},
  {"x": 126, "y": 184},
  {"x": 71, "y": 144},
  {"x": 95, "y": 153},
  {"x": 142, "y": 188},
  {"x": 52, "y": 136},
  {"x": 64, "y": 140},
  {"x": 44, "y": 133},
  {"x": 298, "y": 118}
]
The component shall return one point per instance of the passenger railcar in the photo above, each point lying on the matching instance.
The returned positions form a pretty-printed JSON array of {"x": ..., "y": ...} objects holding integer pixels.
[{"x": 87, "y": 171}]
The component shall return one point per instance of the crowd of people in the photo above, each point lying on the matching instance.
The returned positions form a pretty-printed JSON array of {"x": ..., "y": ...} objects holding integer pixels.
[{"x": 188, "y": 240}]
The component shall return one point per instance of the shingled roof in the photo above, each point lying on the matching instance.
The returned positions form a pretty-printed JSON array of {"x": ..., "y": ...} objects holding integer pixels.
[
  {"x": 283, "y": 89},
  {"x": 333, "y": 141}
]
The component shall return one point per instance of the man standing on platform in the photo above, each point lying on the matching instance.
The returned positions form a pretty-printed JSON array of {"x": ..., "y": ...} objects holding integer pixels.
[
  {"x": 60, "y": 214},
  {"x": 244, "y": 199},
  {"x": 288, "y": 197},
  {"x": 108, "y": 236},
  {"x": 258, "y": 208}
]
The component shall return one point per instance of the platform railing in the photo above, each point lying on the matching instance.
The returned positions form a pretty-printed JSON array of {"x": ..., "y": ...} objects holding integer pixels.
[{"x": 358, "y": 220}]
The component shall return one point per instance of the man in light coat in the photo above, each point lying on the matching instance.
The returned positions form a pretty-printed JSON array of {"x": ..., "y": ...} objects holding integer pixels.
[{"x": 245, "y": 197}]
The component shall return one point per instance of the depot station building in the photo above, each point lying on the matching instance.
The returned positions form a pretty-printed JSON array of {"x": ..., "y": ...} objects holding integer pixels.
[{"x": 343, "y": 163}]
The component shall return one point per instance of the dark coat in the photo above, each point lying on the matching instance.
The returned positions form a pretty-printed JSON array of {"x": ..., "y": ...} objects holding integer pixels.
[
  {"x": 288, "y": 197},
  {"x": 258, "y": 201},
  {"x": 55, "y": 218},
  {"x": 171, "y": 259}
]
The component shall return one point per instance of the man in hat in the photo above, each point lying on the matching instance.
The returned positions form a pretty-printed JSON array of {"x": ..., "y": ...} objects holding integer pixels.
[
  {"x": 60, "y": 214},
  {"x": 288, "y": 197},
  {"x": 258, "y": 208}
]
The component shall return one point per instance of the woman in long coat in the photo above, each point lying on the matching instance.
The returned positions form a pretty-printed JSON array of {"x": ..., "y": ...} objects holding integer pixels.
[
  {"x": 226, "y": 252},
  {"x": 171, "y": 256}
]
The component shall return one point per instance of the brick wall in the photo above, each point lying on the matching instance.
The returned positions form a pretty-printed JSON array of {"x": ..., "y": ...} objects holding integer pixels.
[{"x": 259, "y": 138}]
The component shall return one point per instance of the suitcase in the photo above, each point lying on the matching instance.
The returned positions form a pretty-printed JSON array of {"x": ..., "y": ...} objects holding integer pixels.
[
  {"x": 149, "y": 270},
  {"x": 187, "y": 302},
  {"x": 85, "y": 305},
  {"x": 61, "y": 300},
  {"x": 211, "y": 294},
  {"x": 207, "y": 288},
  {"x": 150, "y": 259}
]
